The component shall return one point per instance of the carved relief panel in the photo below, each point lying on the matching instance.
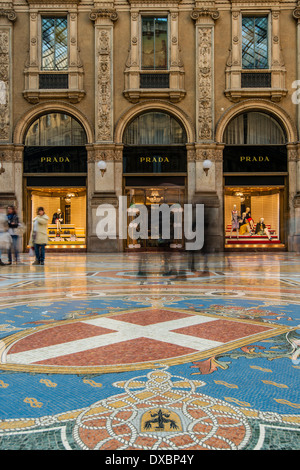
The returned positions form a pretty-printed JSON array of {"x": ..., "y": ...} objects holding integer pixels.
[{"x": 5, "y": 79}]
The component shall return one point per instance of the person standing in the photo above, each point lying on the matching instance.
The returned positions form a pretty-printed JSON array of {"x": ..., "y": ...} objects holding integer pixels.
[
  {"x": 39, "y": 236},
  {"x": 13, "y": 224}
]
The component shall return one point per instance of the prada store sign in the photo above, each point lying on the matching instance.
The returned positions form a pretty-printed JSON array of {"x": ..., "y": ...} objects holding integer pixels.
[
  {"x": 160, "y": 159},
  {"x": 55, "y": 159},
  {"x": 254, "y": 158}
]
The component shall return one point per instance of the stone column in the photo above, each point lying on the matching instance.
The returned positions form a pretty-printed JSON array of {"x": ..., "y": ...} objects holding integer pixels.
[
  {"x": 293, "y": 221},
  {"x": 103, "y": 187},
  {"x": 208, "y": 186}
]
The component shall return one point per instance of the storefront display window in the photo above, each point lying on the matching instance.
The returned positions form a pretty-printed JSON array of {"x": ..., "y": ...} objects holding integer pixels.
[{"x": 255, "y": 168}]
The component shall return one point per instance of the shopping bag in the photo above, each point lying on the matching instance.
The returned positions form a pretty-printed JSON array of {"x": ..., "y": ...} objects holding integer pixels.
[{"x": 31, "y": 252}]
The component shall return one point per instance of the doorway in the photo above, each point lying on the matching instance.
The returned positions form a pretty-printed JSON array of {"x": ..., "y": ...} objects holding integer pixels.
[{"x": 151, "y": 198}]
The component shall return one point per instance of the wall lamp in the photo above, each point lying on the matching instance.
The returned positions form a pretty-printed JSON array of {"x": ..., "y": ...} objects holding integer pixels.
[
  {"x": 207, "y": 164},
  {"x": 102, "y": 167}
]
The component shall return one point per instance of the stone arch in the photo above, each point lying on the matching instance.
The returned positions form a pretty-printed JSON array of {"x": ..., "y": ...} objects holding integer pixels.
[
  {"x": 156, "y": 105},
  {"x": 257, "y": 105},
  {"x": 50, "y": 107}
]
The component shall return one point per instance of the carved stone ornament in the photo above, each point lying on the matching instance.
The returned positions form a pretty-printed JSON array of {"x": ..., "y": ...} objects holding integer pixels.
[
  {"x": 109, "y": 13},
  {"x": 4, "y": 85},
  {"x": 198, "y": 12},
  {"x": 9, "y": 13},
  {"x": 296, "y": 13},
  {"x": 104, "y": 91},
  {"x": 204, "y": 83}
]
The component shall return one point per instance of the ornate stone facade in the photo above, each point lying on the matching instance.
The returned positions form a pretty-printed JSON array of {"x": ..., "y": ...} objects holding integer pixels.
[{"x": 203, "y": 91}]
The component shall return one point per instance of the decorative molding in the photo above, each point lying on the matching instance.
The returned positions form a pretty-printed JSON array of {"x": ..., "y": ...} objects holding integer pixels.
[
  {"x": 5, "y": 85},
  {"x": 213, "y": 13},
  {"x": 9, "y": 13},
  {"x": 205, "y": 79},
  {"x": 104, "y": 123},
  {"x": 108, "y": 13}
]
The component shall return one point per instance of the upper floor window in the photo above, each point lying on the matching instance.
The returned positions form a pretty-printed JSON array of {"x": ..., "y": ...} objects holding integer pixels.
[
  {"x": 54, "y": 43},
  {"x": 154, "y": 43},
  {"x": 255, "y": 42}
]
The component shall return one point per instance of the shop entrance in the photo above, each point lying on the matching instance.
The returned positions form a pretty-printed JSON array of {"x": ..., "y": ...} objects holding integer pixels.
[
  {"x": 155, "y": 171},
  {"x": 55, "y": 171},
  {"x": 151, "y": 198}
]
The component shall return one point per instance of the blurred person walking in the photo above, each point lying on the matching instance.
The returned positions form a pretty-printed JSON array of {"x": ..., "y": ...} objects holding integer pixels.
[
  {"x": 5, "y": 238},
  {"x": 13, "y": 225},
  {"x": 39, "y": 236}
]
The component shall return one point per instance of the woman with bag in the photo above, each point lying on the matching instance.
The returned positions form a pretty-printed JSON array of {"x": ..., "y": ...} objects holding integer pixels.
[
  {"x": 39, "y": 236},
  {"x": 13, "y": 226}
]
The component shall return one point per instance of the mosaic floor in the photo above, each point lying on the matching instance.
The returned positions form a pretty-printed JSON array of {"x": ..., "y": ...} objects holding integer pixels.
[{"x": 139, "y": 352}]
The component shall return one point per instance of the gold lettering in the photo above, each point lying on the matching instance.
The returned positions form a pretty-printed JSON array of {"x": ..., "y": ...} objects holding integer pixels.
[
  {"x": 254, "y": 159},
  {"x": 42, "y": 159},
  {"x": 148, "y": 159},
  {"x": 248, "y": 159},
  {"x": 242, "y": 158},
  {"x": 49, "y": 159},
  {"x": 267, "y": 159},
  {"x": 167, "y": 160}
]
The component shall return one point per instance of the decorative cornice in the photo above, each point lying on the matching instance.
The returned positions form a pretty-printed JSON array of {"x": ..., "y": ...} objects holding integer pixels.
[
  {"x": 109, "y": 13},
  {"x": 54, "y": 2},
  {"x": 200, "y": 12}
]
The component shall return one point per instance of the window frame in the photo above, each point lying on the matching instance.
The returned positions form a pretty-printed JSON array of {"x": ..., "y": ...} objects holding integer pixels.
[
  {"x": 54, "y": 16},
  {"x": 254, "y": 16},
  {"x": 154, "y": 17}
]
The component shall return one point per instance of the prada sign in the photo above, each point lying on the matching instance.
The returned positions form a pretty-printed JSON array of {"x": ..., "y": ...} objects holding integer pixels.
[
  {"x": 254, "y": 158},
  {"x": 154, "y": 159},
  {"x": 55, "y": 159}
]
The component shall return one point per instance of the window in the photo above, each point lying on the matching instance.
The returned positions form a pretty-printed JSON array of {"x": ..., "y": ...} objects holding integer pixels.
[
  {"x": 154, "y": 43},
  {"x": 254, "y": 128},
  {"x": 255, "y": 42},
  {"x": 154, "y": 128},
  {"x": 54, "y": 43},
  {"x": 55, "y": 129}
]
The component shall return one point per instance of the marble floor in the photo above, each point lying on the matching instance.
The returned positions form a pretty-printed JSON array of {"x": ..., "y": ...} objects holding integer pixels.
[{"x": 150, "y": 352}]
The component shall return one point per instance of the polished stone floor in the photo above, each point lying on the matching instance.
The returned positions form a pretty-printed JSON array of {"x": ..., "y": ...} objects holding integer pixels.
[{"x": 150, "y": 352}]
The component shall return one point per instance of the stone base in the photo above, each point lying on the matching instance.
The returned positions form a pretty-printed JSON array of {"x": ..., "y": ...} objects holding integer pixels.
[{"x": 94, "y": 245}]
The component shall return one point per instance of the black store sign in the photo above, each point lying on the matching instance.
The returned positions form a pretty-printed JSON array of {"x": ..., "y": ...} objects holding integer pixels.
[
  {"x": 256, "y": 159},
  {"x": 55, "y": 160},
  {"x": 154, "y": 159}
]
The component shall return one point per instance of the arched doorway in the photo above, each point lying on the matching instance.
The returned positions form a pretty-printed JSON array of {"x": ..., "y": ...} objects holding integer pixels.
[
  {"x": 55, "y": 171},
  {"x": 154, "y": 171},
  {"x": 255, "y": 171}
]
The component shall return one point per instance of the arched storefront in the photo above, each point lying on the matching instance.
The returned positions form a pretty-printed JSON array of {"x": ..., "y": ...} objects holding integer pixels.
[
  {"x": 55, "y": 172},
  {"x": 255, "y": 171},
  {"x": 154, "y": 168}
]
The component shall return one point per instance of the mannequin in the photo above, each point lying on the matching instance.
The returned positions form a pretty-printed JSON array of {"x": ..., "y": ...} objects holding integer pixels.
[
  {"x": 234, "y": 221},
  {"x": 57, "y": 219},
  {"x": 244, "y": 227},
  {"x": 249, "y": 218},
  {"x": 261, "y": 229}
]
